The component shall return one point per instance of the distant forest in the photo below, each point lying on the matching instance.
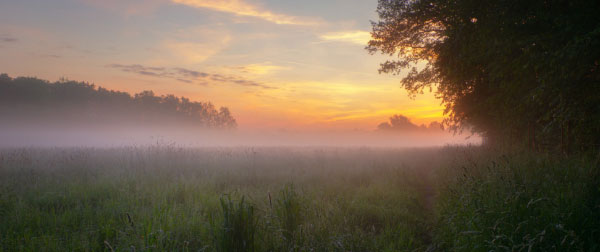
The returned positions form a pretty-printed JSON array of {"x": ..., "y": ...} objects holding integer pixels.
[
  {"x": 27, "y": 99},
  {"x": 400, "y": 123}
]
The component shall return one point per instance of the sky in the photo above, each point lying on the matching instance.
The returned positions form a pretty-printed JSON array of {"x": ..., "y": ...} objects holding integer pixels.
[{"x": 276, "y": 64}]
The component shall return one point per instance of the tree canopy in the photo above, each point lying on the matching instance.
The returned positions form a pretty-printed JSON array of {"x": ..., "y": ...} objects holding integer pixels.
[
  {"x": 401, "y": 123},
  {"x": 503, "y": 68},
  {"x": 78, "y": 102}
]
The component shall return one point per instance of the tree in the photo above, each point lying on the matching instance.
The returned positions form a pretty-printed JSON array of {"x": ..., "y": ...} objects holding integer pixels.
[
  {"x": 501, "y": 67},
  {"x": 82, "y": 102},
  {"x": 403, "y": 123}
]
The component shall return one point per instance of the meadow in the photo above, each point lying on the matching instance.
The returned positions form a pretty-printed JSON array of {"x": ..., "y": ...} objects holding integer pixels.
[{"x": 169, "y": 198}]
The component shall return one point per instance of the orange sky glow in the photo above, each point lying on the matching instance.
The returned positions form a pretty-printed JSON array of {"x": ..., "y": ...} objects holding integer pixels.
[{"x": 274, "y": 64}]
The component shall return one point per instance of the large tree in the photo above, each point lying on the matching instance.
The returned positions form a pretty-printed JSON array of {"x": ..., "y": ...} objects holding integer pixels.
[{"x": 504, "y": 68}]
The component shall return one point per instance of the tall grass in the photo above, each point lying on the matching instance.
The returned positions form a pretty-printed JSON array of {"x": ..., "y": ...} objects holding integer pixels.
[
  {"x": 237, "y": 228},
  {"x": 288, "y": 210},
  {"x": 165, "y": 198},
  {"x": 519, "y": 202}
]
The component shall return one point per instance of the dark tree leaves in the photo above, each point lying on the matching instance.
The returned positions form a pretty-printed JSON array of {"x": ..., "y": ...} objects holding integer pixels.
[{"x": 502, "y": 68}]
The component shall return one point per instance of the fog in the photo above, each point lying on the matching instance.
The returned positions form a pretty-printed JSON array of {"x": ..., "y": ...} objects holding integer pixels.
[
  {"x": 64, "y": 133},
  {"x": 35, "y": 112}
]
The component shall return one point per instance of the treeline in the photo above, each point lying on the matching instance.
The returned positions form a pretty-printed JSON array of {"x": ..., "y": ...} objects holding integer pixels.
[
  {"x": 35, "y": 100},
  {"x": 517, "y": 72},
  {"x": 400, "y": 123}
]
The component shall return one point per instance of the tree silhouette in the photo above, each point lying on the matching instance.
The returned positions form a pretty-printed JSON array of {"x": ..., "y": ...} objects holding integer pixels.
[
  {"x": 505, "y": 69},
  {"x": 403, "y": 124},
  {"x": 24, "y": 97}
]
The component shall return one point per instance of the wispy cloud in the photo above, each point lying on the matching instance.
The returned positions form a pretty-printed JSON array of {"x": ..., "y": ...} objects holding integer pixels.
[
  {"x": 243, "y": 8},
  {"x": 187, "y": 75},
  {"x": 261, "y": 69},
  {"x": 5, "y": 38},
  {"x": 193, "y": 52},
  {"x": 194, "y": 45},
  {"x": 355, "y": 37}
]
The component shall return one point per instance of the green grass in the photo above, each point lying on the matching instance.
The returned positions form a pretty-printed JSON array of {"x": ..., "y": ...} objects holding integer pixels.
[
  {"x": 237, "y": 228},
  {"x": 162, "y": 198},
  {"x": 519, "y": 202},
  {"x": 209, "y": 199}
]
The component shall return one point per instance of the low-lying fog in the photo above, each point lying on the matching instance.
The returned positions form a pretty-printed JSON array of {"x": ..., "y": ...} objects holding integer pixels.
[
  {"x": 49, "y": 135},
  {"x": 35, "y": 112}
]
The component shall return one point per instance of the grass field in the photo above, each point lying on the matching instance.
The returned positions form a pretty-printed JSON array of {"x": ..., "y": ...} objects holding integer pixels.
[{"x": 165, "y": 198}]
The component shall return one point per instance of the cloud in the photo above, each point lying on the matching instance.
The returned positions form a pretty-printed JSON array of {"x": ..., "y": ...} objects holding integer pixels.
[
  {"x": 191, "y": 73},
  {"x": 355, "y": 37},
  {"x": 48, "y": 55},
  {"x": 261, "y": 69},
  {"x": 196, "y": 44},
  {"x": 242, "y": 8},
  {"x": 186, "y": 75},
  {"x": 5, "y": 38},
  {"x": 193, "y": 52}
]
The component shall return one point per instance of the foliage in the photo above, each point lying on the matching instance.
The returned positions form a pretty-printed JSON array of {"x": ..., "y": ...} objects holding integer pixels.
[
  {"x": 403, "y": 123},
  {"x": 502, "y": 68},
  {"x": 518, "y": 202},
  {"x": 79, "y": 102}
]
